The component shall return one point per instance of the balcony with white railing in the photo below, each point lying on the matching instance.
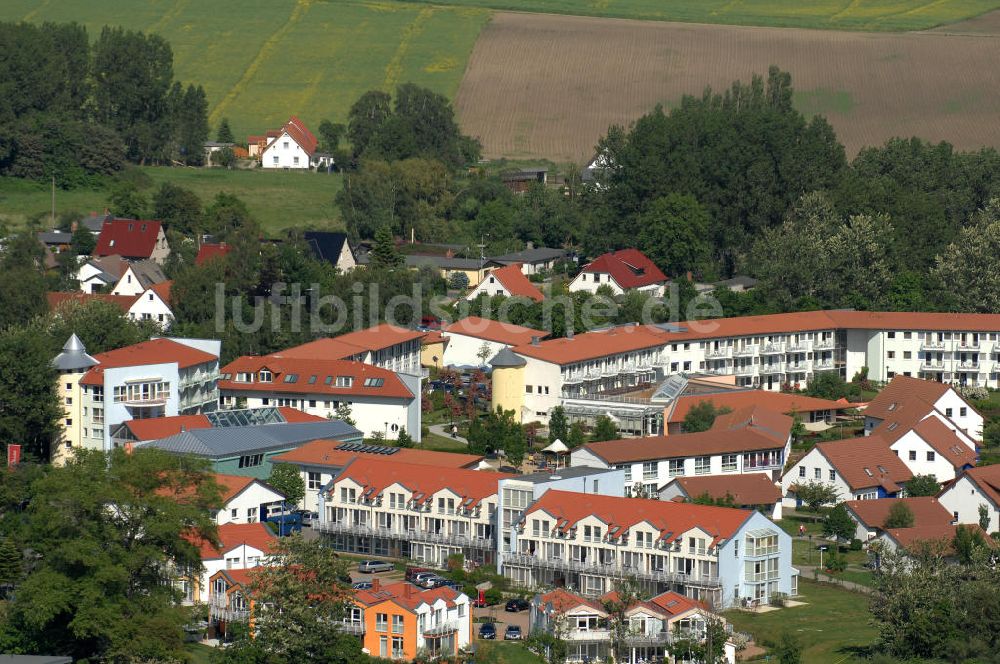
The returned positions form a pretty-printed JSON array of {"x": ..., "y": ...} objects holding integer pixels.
[
  {"x": 931, "y": 344},
  {"x": 722, "y": 351},
  {"x": 969, "y": 365},
  {"x": 798, "y": 366},
  {"x": 797, "y": 346},
  {"x": 931, "y": 365},
  {"x": 406, "y": 535},
  {"x": 824, "y": 344},
  {"x": 746, "y": 370},
  {"x": 744, "y": 351},
  {"x": 612, "y": 570},
  {"x": 353, "y": 626},
  {"x": 220, "y": 608},
  {"x": 772, "y": 349},
  {"x": 967, "y": 344},
  {"x": 446, "y": 627},
  {"x": 772, "y": 369},
  {"x": 585, "y": 635},
  {"x": 820, "y": 365}
]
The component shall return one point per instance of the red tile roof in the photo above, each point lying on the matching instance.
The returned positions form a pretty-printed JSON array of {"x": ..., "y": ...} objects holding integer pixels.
[
  {"x": 927, "y": 511},
  {"x": 162, "y": 290},
  {"x": 676, "y": 604},
  {"x": 779, "y": 402},
  {"x": 155, "y": 351},
  {"x": 325, "y": 453},
  {"x": 987, "y": 478},
  {"x": 901, "y": 391},
  {"x": 57, "y": 300},
  {"x": 746, "y": 489},
  {"x": 562, "y": 601},
  {"x": 620, "y": 514},
  {"x": 865, "y": 463},
  {"x": 602, "y": 343},
  {"x": 233, "y": 535},
  {"x": 944, "y": 441},
  {"x": 715, "y": 441},
  {"x": 518, "y": 285},
  {"x": 376, "y": 474},
  {"x": 315, "y": 376},
  {"x": 353, "y": 343},
  {"x": 766, "y": 422},
  {"x": 405, "y": 595},
  {"x": 298, "y": 132},
  {"x": 209, "y": 251},
  {"x": 491, "y": 330},
  {"x": 941, "y": 533},
  {"x": 630, "y": 268},
  {"x": 130, "y": 238}
]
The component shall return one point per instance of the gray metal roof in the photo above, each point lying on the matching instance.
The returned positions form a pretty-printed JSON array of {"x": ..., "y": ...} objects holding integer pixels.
[
  {"x": 232, "y": 441},
  {"x": 73, "y": 356},
  {"x": 444, "y": 262},
  {"x": 148, "y": 272},
  {"x": 55, "y": 237},
  {"x": 563, "y": 473},
  {"x": 507, "y": 358},
  {"x": 530, "y": 255}
]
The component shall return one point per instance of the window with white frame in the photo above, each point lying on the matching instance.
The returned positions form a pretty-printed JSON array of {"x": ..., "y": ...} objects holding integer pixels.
[
  {"x": 649, "y": 470},
  {"x": 702, "y": 465},
  {"x": 675, "y": 467},
  {"x": 729, "y": 463}
]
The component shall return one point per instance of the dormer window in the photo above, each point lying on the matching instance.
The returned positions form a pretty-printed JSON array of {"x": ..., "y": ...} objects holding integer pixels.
[
  {"x": 131, "y": 227},
  {"x": 265, "y": 375},
  {"x": 345, "y": 381}
]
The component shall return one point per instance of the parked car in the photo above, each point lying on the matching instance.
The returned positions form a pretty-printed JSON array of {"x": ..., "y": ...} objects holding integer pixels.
[
  {"x": 412, "y": 572},
  {"x": 422, "y": 578},
  {"x": 517, "y": 604},
  {"x": 432, "y": 581},
  {"x": 454, "y": 585},
  {"x": 362, "y": 585},
  {"x": 372, "y": 566},
  {"x": 488, "y": 631},
  {"x": 512, "y": 633}
]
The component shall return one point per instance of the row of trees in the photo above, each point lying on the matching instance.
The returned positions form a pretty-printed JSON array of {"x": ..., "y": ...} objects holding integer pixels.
[{"x": 74, "y": 111}]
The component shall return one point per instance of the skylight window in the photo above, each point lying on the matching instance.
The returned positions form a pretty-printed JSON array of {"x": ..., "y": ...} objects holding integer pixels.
[
  {"x": 329, "y": 380},
  {"x": 868, "y": 472},
  {"x": 291, "y": 378},
  {"x": 312, "y": 379},
  {"x": 374, "y": 382}
]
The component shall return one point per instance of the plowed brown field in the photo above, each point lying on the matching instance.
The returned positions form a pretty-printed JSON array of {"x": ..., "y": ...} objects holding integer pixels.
[{"x": 549, "y": 86}]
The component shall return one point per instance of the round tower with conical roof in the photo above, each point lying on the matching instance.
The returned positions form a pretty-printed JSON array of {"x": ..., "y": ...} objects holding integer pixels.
[
  {"x": 508, "y": 381},
  {"x": 71, "y": 364}
]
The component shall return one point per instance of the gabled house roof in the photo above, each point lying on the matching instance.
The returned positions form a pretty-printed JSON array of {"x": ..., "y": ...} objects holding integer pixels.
[
  {"x": 670, "y": 518},
  {"x": 57, "y": 300},
  {"x": 900, "y": 391},
  {"x": 327, "y": 246},
  {"x": 208, "y": 251},
  {"x": 630, "y": 268},
  {"x": 147, "y": 272},
  {"x": 987, "y": 480},
  {"x": 491, "y": 330},
  {"x": 376, "y": 474},
  {"x": 312, "y": 376},
  {"x": 532, "y": 255},
  {"x": 235, "y": 441},
  {"x": 518, "y": 285},
  {"x": 233, "y": 535},
  {"x": 926, "y": 510},
  {"x": 130, "y": 238},
  {"x": 298, "y": 132},
  {"x": 865, "y": 463},
  {"x": 405, "y": 595},
  {"x": 745, "y": 489},
  {"x": 702, "y": 443},
  {"x": 942, "y": 534},
  {"x": 333, "y": 454},
  {"x": 353, "y": 344},
  {"x": 562, "y": 601},
  {"x": 944, "y": 441},
  {"x": 766, "y": 422}
]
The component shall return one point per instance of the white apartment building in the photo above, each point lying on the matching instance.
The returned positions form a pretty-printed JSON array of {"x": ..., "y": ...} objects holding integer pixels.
[
  {"x": 403, "y": 510},
  {"x": 472, "y": 339},
  {"x": 245, "y": 499},
  {"x": 977, "y": 487},
  {"x": 382, "y": 402},
  {"x": 241, "y": 546},
  {"x": 156, "y": 378},
  {"x": 767, "y": 352},
  {"x": 857, "y": 468},
  {"x": 714, "y": 554},
  {"x": 906, "y": 401},
  {"x": 385, "y": 346},
  {"x": 736, "y": 444}
]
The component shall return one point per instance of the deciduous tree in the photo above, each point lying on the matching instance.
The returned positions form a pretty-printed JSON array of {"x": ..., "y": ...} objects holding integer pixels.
[
  {"x": 900, "y": 516},
  {"x": 287, "y": 479},
  {"x": 701, "y": 416}
]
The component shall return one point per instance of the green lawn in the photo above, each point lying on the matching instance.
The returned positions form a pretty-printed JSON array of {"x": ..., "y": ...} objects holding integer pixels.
[
  {"x": 878, "y": 15},
  {"x": 261, "y": 61},
  {"x": 432, "y": 441},
  {"x": 200, "y": 654},
  {"x": 277, "y": 199},
  {"x": 832, "y": 627},
  {"x": 499, "y": 652}
]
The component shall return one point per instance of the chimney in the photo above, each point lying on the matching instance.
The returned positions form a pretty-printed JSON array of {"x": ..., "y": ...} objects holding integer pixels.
[
  {"x": 376, "y": 585},
  {"x": 183, "y": 428},
  {"x": 408, "y": 589},
  {"x": 569, "y": 334},
  {"x": 534, "y": 341},
  {"x": 529, "y": 244}
]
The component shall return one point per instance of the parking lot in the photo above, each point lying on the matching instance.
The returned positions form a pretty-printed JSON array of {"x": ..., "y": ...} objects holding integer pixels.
[{"x": 501, "y": 618}]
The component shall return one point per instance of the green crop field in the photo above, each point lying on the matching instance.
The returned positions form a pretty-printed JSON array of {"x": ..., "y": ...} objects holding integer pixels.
[
  {"x": 876, "y": 15},
  {"x": 276, "y": 199},
  {"x": 261, "y": 61}
]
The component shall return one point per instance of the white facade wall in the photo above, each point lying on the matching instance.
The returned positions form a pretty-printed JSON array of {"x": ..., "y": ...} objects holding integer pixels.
[
  {"x": 955, "y": 356},
  {"x": 370, "y": 414},
  {"x": 489, "y": 286},
  {"x": 150, "y": 306},
  {"x": 545, "y": 382},
  {"x": 239, "y": 557},
  {"x": 922, "y": 459},
  {"x": 963, "y": 499},
  {"x": 816, "y": 468},
  {"x": 284, "y": 153},
  {"x": 128, "y": 284},
  {"x": 961, "y": 414},
  {"x": 591, "y": 281},
  {"x": 463, "y": 350},
  {"x": 244, "y": 507}
]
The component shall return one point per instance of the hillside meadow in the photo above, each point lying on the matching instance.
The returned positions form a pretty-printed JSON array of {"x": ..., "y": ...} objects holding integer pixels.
[
  {"x": 868, "y": 15},
  {"x": 277, "y": 199},
  {"x": 263, "y": 60}
]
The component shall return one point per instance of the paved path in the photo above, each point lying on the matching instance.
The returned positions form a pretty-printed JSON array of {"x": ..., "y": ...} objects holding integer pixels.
[{"x": 444, "y": 430}]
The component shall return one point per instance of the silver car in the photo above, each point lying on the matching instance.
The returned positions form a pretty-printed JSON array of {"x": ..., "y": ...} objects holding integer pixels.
[{"x": 372, "y": 566}]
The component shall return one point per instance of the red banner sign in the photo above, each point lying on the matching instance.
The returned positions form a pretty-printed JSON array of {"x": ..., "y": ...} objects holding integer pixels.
[{"x": 13, "y": 455}]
